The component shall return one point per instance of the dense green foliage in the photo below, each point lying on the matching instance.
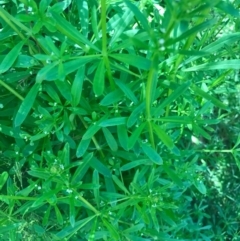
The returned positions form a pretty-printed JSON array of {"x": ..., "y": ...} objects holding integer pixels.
[{"x": 119, "y": 120}]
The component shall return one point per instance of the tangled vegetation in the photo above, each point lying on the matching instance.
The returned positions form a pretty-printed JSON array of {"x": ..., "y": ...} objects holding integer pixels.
[{"x": 119, "y": 120}]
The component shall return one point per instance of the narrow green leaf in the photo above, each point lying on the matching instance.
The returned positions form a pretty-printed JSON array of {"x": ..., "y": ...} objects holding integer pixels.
[
  {"x": 82, "y": 168},
  {"x": 53, "y": 49},
  {"x": 43, "y": 5},
  {"x": 69, "y": 66},
  {"x": 194, "y": 30},
  {"x": 200, "y": 131},
  {"x": 52, "y": 93},
  {"x": 3, "y": 179},
  {"x": 175, "y": 94},
  {"x": 134, "y": 60},
  {"x": 82, "y": 147},
  {"x": 61, "y": 6},
  {"x": 229, "y": 8},
  {"x": 46, "y": 195},
  {"x": 200, "y": 186},
  {"x": 10, "y": 58},
  {"x": 162, "y": 135},
  {"x": 112, "y": 230},
  {"x": 64, "y": 88},
  {"x": 135, "y": 135},
  {"x": 69, "y": 230},
  {"x": 39, "y": 173},
  {"x": 72, "y": 210},
  {"x": 26, "y": 105},
  {"x": 152, "y": 154},
  {"x": 91, "y": 236},
  {"x": 135, "y": 114},
  {"x": 26, "y": 191},
  {"x": 122, "y": 136},
  {"x": 113, "y": 122},
  {"x": 9, "y": 131},
  {"x": 120, "y": 184},
  {"x": 126, "y": 90},
  {"x": 215, "y": 46},
  {"x": 58, "y": 215},
  {"x": 68, "y": 30},
  {"x": 173, "y": 175},
  {"x": 100, "y": 167},
  {"x": 99, "y": 79},
  {"x": 46, "y": 216},
  {"x": 94, "y": 20},
  {"x": 95, "y": 180},
  {"x": 134, "y": 164},
  {"x": 24, "y": 62},
  {"x": 112, "y": 98},
  {"x": 207, "y": 96},
  {"x": 176, "y": 119},
  {"x": 110, "y": 139},
  {"x": 76, "y": 89},
  {"x": 126, "y": 204},
  {"x": 66, "y": 155},
  {"x": 155, "y": 219},
  {"x": 225, "y": 64},
  {"x": 91, "y": 131},
  {"x": 42, "y": 74},
  {"x": 61, "y": 71},
  {"x": 134, "y": 228}
]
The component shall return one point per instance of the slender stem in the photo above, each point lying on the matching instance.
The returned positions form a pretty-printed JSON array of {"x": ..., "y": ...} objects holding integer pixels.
[
  {"x": 149, "y": 94},
  {"x": 8, "y": 21},
  {"x": 104, "y": 43},
  {"x": 11, "y": 90}
]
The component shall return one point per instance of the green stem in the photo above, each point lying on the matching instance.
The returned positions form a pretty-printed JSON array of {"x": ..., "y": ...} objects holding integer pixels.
[
  {"x": 8, "y": 21},
  {"x": 104, "y": 43},
  {"x": 11, "y": 90},
  {"x": 149, "y": 93}
]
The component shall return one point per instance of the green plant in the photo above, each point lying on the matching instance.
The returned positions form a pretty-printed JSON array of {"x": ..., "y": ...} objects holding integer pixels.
[{"x": 109, "y": 110}]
